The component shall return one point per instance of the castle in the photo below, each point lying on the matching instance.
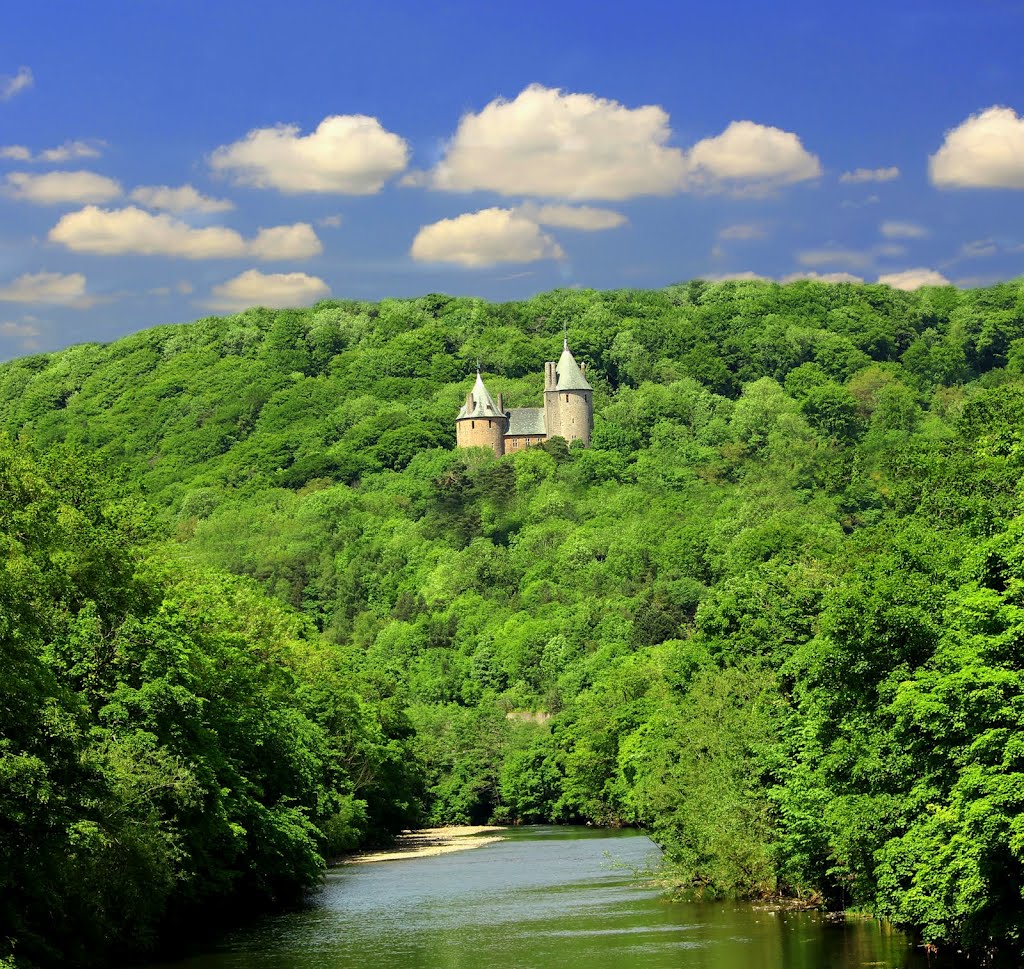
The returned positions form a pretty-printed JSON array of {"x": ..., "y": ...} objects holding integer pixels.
[{"x": 568, "y": 412}]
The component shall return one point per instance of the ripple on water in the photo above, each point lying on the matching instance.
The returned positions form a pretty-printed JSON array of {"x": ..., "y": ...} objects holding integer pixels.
[{"x": 543, "y": 898}]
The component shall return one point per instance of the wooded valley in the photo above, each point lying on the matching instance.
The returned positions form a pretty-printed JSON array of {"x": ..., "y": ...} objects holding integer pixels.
[{"x": 256, "y": 610}]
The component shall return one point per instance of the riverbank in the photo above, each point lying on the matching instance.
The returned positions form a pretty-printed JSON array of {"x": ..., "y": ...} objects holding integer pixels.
[
  {"x": 561, "y": 897},
  {"x": 432, "y": 841}
]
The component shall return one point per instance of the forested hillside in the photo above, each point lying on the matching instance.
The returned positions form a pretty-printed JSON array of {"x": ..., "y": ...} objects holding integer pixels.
[
  {"x": 171, "y": 739},
  {"x": 775, "y": 614}
]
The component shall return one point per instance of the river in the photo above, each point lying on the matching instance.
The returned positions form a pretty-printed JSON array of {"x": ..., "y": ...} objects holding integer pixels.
[{"x": 545, "y": 898}]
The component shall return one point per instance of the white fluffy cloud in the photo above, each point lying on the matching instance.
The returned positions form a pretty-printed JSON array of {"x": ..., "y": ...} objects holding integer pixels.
[
  {"x": 57, "y": 188},
  {"x": 68, "y": 151},
  {"x": 484, "y": 238},
  {"x": 58, "y": 289},
  {"x": 822, "y": 277},
  {"x": 986, "y": 151},
  {"x": 551, "y": 144},
  {"x": 13, "y": 85},
  {"x": 892, "y": 229},
  {"x": 297, "y": 241},
  {"x": 346, "y": 155},
  {"x": 914, "y": 279},
  {"x": 859, "y": 175},
  {"x": 748, "y": 154},
  {"x": 133, "y": 230},
  {"x": 273, "y": 290},
  {"x": 547, "y": 143},
  {"x": 183, "y": 198},
  {"x": 583, "y": 217}
]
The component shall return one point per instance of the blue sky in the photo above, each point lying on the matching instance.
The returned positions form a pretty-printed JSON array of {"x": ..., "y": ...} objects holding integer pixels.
[{"x": 163, "y": 161}]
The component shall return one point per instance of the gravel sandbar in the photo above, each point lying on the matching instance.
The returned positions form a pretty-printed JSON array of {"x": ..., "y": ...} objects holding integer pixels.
[{"x": 432, "y": 841}]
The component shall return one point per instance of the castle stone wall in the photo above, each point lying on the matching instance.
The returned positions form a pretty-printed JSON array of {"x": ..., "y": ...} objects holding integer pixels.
[
  {"x": 575, "y": 415},
  {"x": 568, "y": 412},
  {"x": 518, "y": 442},
  {"x": 481, "y": 432},
  {"x": 552, "y": 413}
]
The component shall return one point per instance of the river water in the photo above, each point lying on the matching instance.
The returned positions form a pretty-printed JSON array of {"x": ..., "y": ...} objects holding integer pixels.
[{"x": 545, "y": 898}]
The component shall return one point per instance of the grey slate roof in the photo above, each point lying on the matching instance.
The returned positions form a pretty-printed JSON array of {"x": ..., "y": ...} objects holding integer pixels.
[
  {"x": 570, "y": 377},
  {"x": 525, "y": 420},
  {"x": 483, "y": 402}
]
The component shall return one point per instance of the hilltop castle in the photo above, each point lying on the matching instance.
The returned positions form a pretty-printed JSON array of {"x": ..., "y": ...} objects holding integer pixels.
[{"x": 568, "y": 412}]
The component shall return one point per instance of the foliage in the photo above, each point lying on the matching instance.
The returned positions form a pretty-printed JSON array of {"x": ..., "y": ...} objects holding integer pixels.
[
  {"x": 166, "y": 738},
  {"x": 770, "y": 615}
]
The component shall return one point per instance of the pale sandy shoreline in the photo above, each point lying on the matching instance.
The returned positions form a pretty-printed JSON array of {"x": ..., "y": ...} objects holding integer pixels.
[{"x": 431, "y": 841}]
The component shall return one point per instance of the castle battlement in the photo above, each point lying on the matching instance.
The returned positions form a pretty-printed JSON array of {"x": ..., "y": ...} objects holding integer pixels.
[{"x": 568, "y": 411}]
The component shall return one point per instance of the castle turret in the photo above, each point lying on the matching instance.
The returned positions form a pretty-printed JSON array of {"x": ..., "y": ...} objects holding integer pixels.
[
  {"x": 572, "y": 401},
  {"x": 552, "y": 423},
  {"x": 481, "y": 422}
]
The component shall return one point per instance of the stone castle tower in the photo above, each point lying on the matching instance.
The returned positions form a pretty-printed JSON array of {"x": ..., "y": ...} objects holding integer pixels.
[{"x": 568, "y": 412}]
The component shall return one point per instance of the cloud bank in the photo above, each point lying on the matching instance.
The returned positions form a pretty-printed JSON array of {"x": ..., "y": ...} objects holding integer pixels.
[
  {"x": 546, "y": 143},
  {"x": 184, "y": 198},
  {"x": 985, "y": 151},
  {"x": 346, "y": 155},
  {"x": 135, "y": 231},
  {"x": 485, "y": 238},
  {"x": 273, "y": 290},
  {"x": 750, "y": 154},
  {"x": 68, "y": 151},
  {"x": 914, "y": 279},
  {"x": 58, "y": 289},
  {"x": 56, "y": 188},
  {"x": 550, "y": 144},
  {"x": 585, "y": 218}
]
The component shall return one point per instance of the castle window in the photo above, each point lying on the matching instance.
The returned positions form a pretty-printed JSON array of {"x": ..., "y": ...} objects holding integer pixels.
[
  {"x": 567, "y": 398},
  {"x": 472, "y": 424}
]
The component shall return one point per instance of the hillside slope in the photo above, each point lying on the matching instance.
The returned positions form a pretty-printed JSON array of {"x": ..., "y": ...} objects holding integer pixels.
[{"x": 772, "y": 612}]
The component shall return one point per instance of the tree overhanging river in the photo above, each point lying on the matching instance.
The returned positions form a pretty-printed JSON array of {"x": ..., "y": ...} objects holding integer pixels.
[{"x": 543, "y": 897}]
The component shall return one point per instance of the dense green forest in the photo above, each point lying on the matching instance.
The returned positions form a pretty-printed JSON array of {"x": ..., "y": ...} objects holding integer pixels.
[{"x": 256, "y": 610}]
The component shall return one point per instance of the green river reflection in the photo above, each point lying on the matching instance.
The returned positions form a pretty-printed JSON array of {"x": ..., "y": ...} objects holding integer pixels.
[{"x": 546, "y": 898}]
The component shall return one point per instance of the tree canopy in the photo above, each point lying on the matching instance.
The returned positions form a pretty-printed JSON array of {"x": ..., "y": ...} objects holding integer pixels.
[{"x": 770, "y": 615}]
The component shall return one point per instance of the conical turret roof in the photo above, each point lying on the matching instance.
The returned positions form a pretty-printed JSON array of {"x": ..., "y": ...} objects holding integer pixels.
[
  {"x": 483, "y": 402},
  {"x": 570, "y": 377}
]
